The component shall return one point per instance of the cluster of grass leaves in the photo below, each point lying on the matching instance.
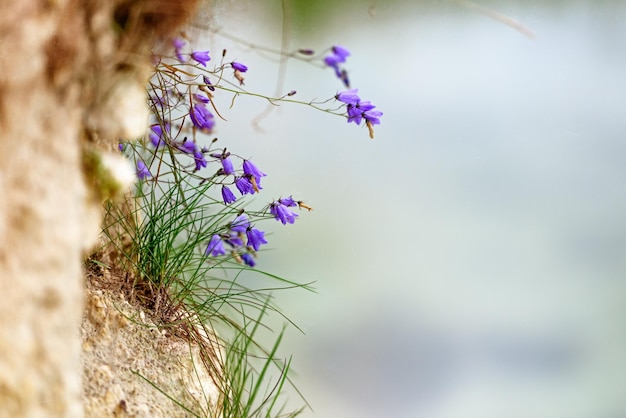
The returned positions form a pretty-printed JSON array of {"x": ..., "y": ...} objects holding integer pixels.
[{"x": 160, "y": 234}]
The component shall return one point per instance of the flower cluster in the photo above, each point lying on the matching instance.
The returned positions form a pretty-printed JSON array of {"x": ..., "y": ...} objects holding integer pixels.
[
  {"x": 247, "y": 182},
  {"x": 202, "y": 58},
  {"x": 242, "y": 239},
  {"x": 239, "y": 229},
  {"x": 191, "y": 148},
  {"x": 356, "y": 109},
  {"x": 359, "y": 110},
  {"x": 338, "y": 56},
  {"x": 181, "y": 99},
  {"x": 280, "y": 210},
  {"x": 192, "y": 191}
]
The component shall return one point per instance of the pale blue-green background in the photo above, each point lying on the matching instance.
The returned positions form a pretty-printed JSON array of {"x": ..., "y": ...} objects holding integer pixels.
[{"x": 469, "y": 261}]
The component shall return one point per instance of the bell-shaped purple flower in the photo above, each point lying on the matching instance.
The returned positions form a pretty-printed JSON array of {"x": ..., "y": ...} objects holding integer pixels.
[
  {"x": 201, "y": 98},
  {"x": 248, "y": 259},
  {"x": 255, "y": 238},
  {"x": 239, "y": 66},
  {"x": 215, "y": 247},
  {"x": 201, "y": 56},
  {"x": 158, "y": 101},
  {"x": 372, "y": 116},
  {"x": 343, "y": 76},
  {"x": 199, "y": 159},
  {"x": 332, "y": 61},
  {"x": 282, "y": 213},
  {"x": 244, "y": 185},
  {"x": 240, "y": 224},
  {"x": 208, "y": 83},
  {"x": 188, "y": 146},
  {"x": 340, "y": 52},
  {"x": 178, "y": 46},
  {"x": 142, "y": 171},
  {"x": 228, "y": 196},
  {"x": 156, "y": 136},
  {"x": 201, "y": 117},
  {"x": 350, "y": 97},
  {"x": 338, "y": 56},
  {"x": 354, "y": 114},
  {"x": 250, "y": 169},
  {"x": 227, "y": 166},
  {"x": 234, "y": 240},
  {"x": 365, "y": 106},
  {"x": 288, "y": 201}
]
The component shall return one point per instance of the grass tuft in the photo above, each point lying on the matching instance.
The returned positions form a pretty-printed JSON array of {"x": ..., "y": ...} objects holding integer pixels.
[{"x": 158, "y": 236}]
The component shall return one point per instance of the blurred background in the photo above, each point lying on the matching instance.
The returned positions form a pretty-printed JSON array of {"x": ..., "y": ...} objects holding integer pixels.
[{"x": 470, "y": 260}]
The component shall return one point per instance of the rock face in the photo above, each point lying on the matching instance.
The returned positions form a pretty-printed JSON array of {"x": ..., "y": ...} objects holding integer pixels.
[
  {"x": 129, "y": 364},
  {"x": 61, "y": 65}
]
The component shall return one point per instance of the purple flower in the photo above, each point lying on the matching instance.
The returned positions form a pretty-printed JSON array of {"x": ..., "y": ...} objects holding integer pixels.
[
  {"x": 201, "y": 56},
  {"x": 343, "y": 76},
  {"x": 234, "y": 240},
  {"x": 240, "y": 224},
  {"x": 156, "y": 136},
  {"x": 178, "y": 46},
  {"x": 365, "y": 106},
  {"x": 142, "y": 171},
  {"x": 158, "y": 101},
  {"x": 341, "y": 53},
  {"x": 332, "y": 61},
  {"x": 338, "y": 56},
  {"x": 239, "y": 66},
  {"x": 188, "y": 147},
  {"x": 372, "y": 116},
  {"x": 244, "y": 185},
  {"x": 227, "y": 166},
  {"x": 363, "y": 110},
  {"x": 350, "y": 97},
  {"x": 354, "y": 114},
  {"x": 120, "y": 146},
  {"x": 288, "y": 201},
  {"x": 178, "y": 43},
  {"x": 255, "y": 238},
  {"x": 208, "y": 83},
  {"x": 201, "y": 117},
  {"x": 282, "y": 213},
  {"x": 227, "y": 195},
  {"x": 248, "y": 259},
  {"x": 201, "y": 98},
  {"x": 215, "y": 247},
  {"x": 250, "y": 169},
  {"x": 199, "y": 159}
]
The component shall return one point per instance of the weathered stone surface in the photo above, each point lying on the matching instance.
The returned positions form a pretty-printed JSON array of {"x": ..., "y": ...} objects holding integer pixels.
[
  {"x": 60, "y": 62},
  {"x": 121, "y": 342}
]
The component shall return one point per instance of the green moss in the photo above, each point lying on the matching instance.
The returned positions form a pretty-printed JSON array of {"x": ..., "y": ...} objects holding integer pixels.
[{"x": 101, "y": 182}]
